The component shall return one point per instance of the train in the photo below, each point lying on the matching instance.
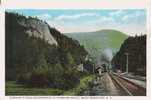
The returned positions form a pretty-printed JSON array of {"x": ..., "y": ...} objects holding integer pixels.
[{"x": 99, "y": 69}]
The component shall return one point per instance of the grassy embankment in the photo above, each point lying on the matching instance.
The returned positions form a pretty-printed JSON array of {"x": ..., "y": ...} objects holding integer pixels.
[
  {"x": 16, "y": 89},
  {"x": 84, "y": 83}
]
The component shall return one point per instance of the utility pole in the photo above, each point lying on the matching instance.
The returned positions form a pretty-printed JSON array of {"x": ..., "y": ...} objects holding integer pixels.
[
  {"x": 126, "y": 62},
  {"x": 93, "y": 68}
]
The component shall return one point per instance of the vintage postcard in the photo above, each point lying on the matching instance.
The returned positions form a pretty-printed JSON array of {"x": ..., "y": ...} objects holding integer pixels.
[{"x": 65, "y": 52}]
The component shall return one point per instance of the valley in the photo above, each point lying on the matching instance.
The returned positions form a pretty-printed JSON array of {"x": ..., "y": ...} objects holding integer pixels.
[{"x": 41, "y": 60}]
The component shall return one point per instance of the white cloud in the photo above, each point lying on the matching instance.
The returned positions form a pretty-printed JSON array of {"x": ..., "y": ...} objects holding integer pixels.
[
  {"x": 130, "y": 29},
  {"x": 132, "y": 16},
  {"x": 106, "y": 19},
  {"x": 117, "y": 13},
  {"x": 62, "y": 17},
  {"x": 138, "y": 14},
  {"x": 123, "y": 21},
  {"x": 44, "y": 16},
  {"x": 124, "y": 18}
]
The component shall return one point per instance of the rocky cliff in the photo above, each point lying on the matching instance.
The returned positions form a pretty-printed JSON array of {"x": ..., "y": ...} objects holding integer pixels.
[
  {"x": 37, "y": 28},
  {"x": 136, "y": 49}
]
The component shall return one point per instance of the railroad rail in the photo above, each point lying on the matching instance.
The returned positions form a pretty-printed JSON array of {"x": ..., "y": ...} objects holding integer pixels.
[
  {"x": 135, "y": 78},
  {"x": 129, "y": 87}
]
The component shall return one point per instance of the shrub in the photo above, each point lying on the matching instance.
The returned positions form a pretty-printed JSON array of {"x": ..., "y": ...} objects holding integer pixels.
[
  {"x": 38, "y": 80},
  {"x": 71, "y": 78},
  {"x": 39, "y": 77},
  {"x": 23, "y": 78}
]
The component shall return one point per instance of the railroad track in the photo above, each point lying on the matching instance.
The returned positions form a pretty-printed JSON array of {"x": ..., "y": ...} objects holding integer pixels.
[
  {"x": 128, "y": 86},
  {"x": 135, "y": 78}
]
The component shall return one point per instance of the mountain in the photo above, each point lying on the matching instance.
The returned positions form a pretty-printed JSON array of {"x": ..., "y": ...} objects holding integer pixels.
[
  {"x": 136, "y": 49},
  {"x": 40, "y": 56},
  {"x": 96, "y": 42}
]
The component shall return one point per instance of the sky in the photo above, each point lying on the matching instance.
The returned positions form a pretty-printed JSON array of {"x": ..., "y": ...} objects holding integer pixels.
[{"x": 129, "y": 21}]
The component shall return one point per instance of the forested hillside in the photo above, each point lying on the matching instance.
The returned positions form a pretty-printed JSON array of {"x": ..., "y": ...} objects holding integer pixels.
[
  {"x": 136, "y": 49},
  {"x": 38, "y": 55}
]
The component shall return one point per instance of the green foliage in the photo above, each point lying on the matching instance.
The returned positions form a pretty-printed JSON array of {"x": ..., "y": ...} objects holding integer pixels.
[
  {"x": 136, "y": 48},
  {"x": 84, "y": 84},
  {"x": 70, "y": 59},
  {"x": 18, "y": 89},
  {"x": 39, "y": 77},
  {"x": 23, "y": 78},
  {"x": 71, "y": 78},
  {"x": 67, "y": 44},
  {"x": 55, "y": 77}
]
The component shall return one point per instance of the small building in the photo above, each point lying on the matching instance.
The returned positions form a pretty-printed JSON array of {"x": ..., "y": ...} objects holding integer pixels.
[{"x": 80, "y": 67}]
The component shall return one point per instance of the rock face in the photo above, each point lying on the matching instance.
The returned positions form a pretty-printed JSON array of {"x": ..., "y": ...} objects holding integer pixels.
[
  {"x": 37, "y": 28},
  {"x": 136, "y": 48},
  {"x": 40, "y": 55}
]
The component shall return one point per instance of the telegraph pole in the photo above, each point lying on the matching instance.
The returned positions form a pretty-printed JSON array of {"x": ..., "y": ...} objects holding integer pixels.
[{"x": 126, "y": 62}]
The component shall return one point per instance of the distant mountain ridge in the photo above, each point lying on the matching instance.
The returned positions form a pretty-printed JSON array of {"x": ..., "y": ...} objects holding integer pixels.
[{"x": 96, "y": 42}]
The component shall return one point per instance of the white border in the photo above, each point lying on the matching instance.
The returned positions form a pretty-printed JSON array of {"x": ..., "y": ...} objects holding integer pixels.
[{"x": 75, "y": 4}]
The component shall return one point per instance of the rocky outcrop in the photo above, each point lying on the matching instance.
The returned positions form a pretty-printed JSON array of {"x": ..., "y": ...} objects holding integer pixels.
[
  {"x": 136, "y": 49},
  {"x": 37, "y": 28}
]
